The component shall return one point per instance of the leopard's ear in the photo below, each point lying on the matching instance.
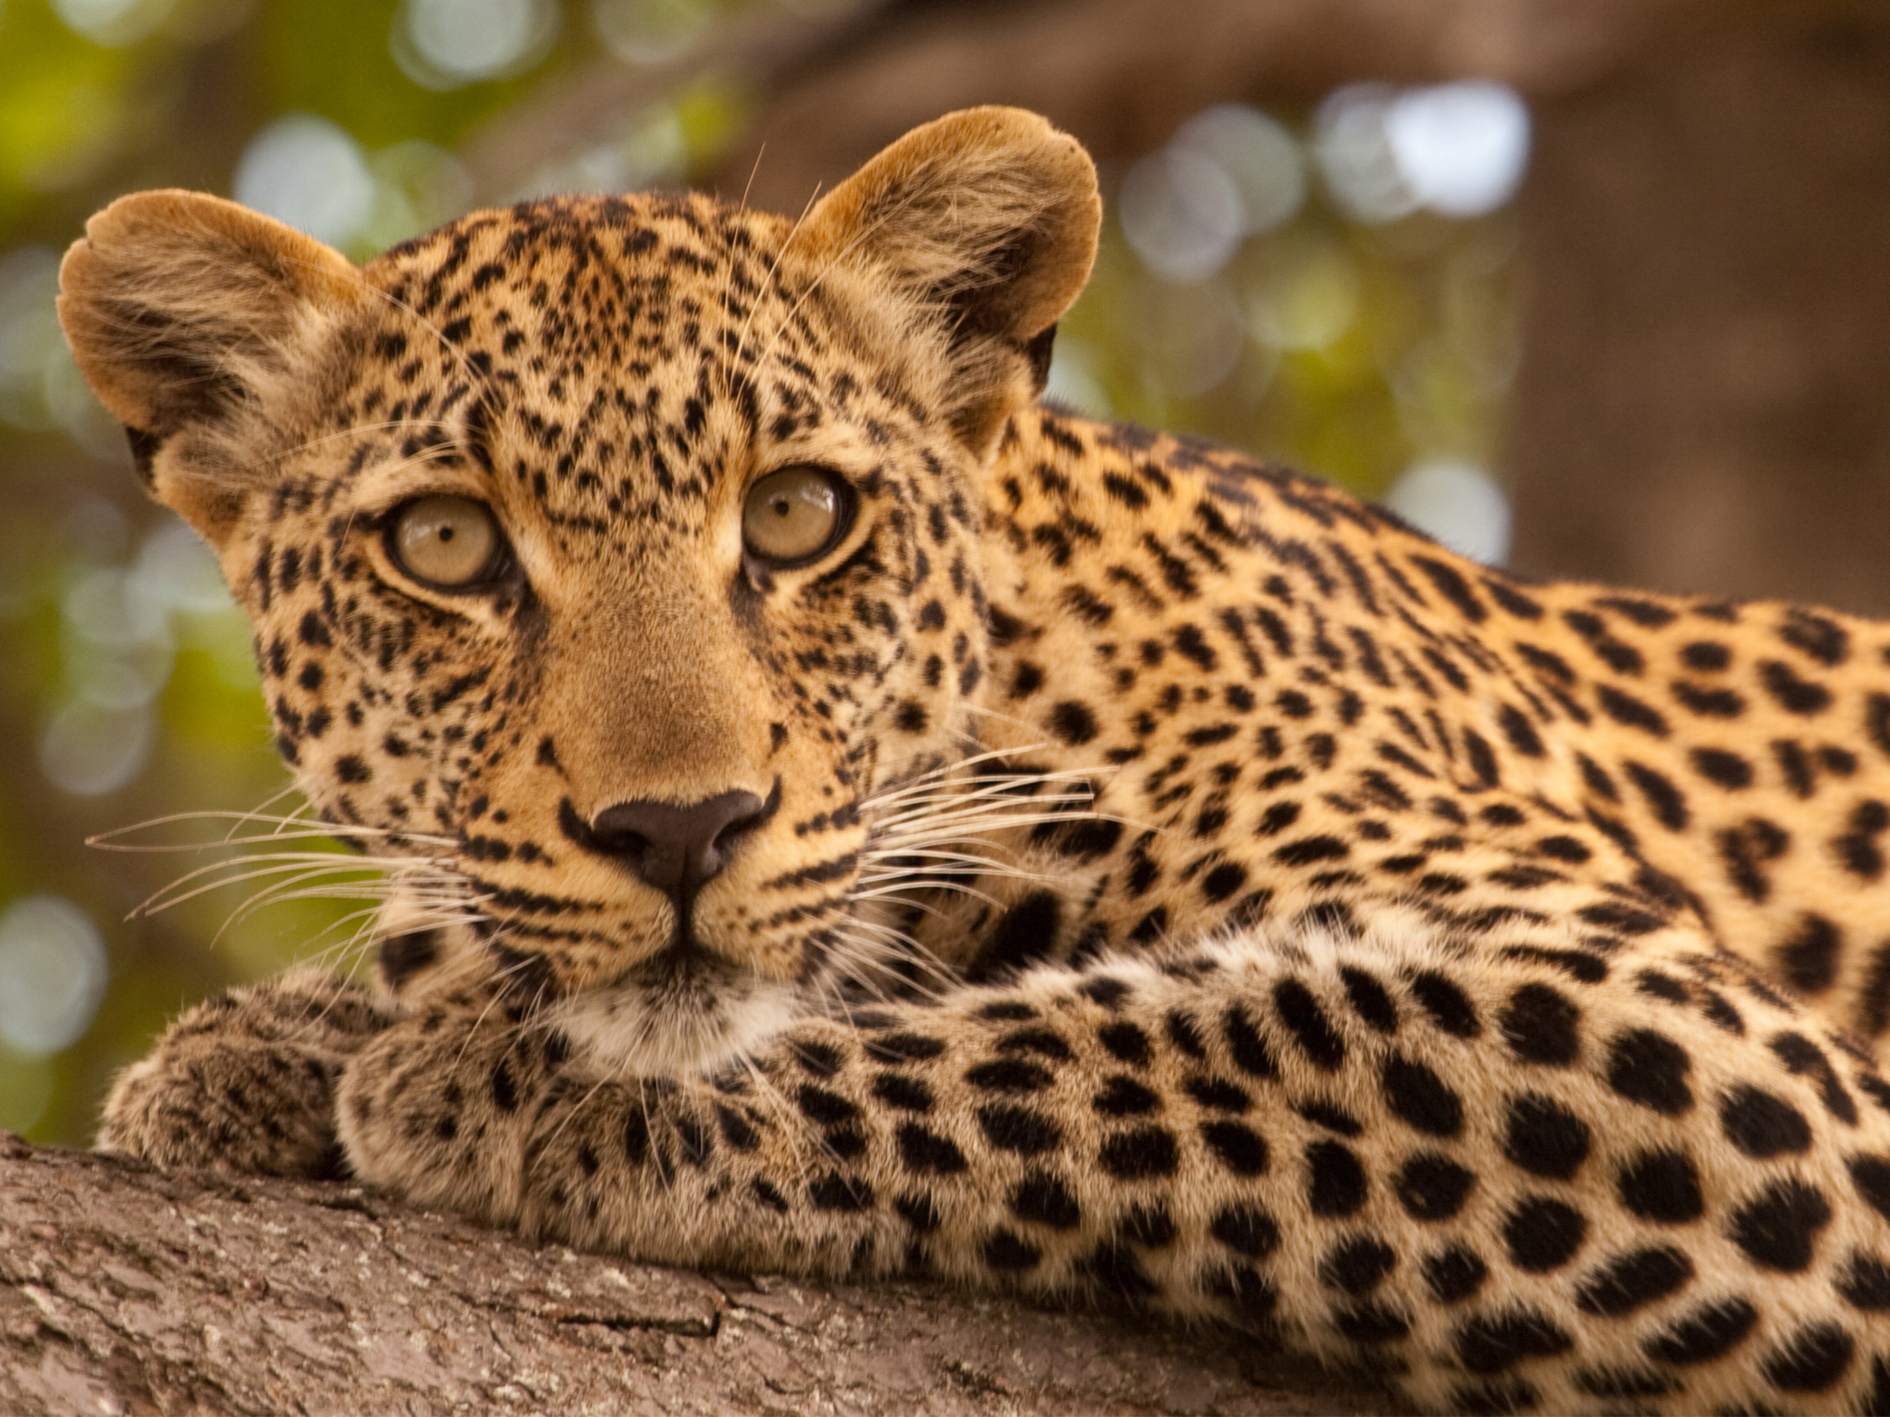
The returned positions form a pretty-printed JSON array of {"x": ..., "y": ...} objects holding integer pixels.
[
  {"x": 192, "y": 318},
  {"x": 985, "y": 222}
]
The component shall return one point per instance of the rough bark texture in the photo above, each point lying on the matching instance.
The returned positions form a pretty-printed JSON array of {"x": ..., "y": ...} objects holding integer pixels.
[
  {"x": 1704, "y": 397},
  {"x": 124, "y": 1290}
]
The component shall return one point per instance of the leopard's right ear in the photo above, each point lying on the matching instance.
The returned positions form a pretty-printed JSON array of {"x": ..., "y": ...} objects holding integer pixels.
[{"x": 193, "y": 320}]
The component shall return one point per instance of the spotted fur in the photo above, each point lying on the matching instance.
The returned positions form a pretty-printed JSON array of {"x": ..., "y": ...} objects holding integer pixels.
[{"x": 1175, "y": 880}]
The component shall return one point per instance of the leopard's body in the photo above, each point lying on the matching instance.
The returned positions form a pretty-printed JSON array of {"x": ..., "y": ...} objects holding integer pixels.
[{"x": 1266, "y": 914}]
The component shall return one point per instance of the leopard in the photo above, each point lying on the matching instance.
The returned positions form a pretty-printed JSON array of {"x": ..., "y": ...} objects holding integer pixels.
[{"x": 842, "y": 815}]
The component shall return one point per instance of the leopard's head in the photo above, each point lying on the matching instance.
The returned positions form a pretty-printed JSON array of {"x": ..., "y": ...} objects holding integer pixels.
[{"x": 608, "y": 556}]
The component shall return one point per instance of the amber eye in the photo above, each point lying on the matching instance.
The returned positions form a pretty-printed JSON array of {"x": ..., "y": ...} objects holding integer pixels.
[
  {"x": 793, "y": 515},
  {"x": 450, "y": 542}
]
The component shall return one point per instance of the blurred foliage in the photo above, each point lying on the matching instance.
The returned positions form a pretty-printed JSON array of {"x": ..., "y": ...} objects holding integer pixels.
[{"x": 1351, "y": 347}]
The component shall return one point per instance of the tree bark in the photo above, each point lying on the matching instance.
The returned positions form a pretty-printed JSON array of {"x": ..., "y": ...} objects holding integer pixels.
[{"x": 128, "y": 1290}]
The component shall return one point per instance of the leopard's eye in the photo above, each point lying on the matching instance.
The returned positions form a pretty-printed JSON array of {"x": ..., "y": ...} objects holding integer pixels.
[
  {"x": 794, "y": 515},
  {"x": 446, "y": 541}
]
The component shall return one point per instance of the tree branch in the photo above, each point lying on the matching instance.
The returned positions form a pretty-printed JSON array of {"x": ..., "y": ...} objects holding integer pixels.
[{"x": 130, "y": 1290}]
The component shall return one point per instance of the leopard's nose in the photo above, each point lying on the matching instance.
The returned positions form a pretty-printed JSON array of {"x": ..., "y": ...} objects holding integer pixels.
[{"x": 679, "y": 848}]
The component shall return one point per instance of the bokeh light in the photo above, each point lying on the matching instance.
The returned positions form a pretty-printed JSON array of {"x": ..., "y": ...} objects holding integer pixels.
[
  {"x": 442, "y": 44},
  {"x": 650, "y": 31},
  {"x": 53, "y": 971},
  {"x": 1459, "y": 504},
  {"x": 308, "y": 172}
]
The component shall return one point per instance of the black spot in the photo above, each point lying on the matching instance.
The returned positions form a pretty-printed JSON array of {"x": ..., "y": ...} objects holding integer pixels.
[
  {"x": 1433, "y": 1187},
  {"x": 1125, "y": 1097},
  {"x": 1809, "y": 957},
  {"x": 1140, "y": 1155},
  {"x": 1419, "y": 1097},
  {"x": 927, "y": 1152},
  {"x": 1018, "y": 1129},
  {"x": 1651, "y": 1069},
  {"x": 1794, "y": 695},
  {"x": 1329, "y": 1116},
  {"x": 403, "y": 956},
  {"x": 1866, "y": 1284},
  {"x": 1811, "y": 1360},
  {"x": 1252, "y": 1295},
  {"x": 504, "y": 1091},
  {"x": 1301, "y": 1013},
  {"x": 1543, "y": 1234},
  {"x": 1240, "y": 1149},
  {"x": 1246, "y": 1230},
  {"x": 820, "y": 1059},
  {"x": 1455, "y": 1274},
  {"x": 1044, "y": 1200},
  {"x": 1857, "y": 849},
  {"x": 1632, "y": 1281},
  {"x": 1520, "y": 732},
  {"x": 1668, "y": 804},
  {"x": 1661, "y": 1186},
  {"x": 1041, "y": 1041},
  {"x": 694, "y": 1137},
  {"x": 1369, "y": 1000},
  {"x": 1248, "y": 1049},
  {"x": 1223, "y": 881},
  {"x": 1073, "y": 723},
  {"x": 1335, "y": 1183},
  {"x": 1218, "y": 1095},
  {"x": 905, "y": 1093},
  {"x": 1357, "y": 1265},
  {"x": 1630, "y": 712},
  {"x": 919, "y": 1212},
  {"x": 1779, "y": 1227},
  {"x": 1024, "y": 934},
  {"x": 1012, "y": 1075},
  {"x": 1545, "y": 1138},
  {"x": 1763, "y": 1125},
  {"x": 1492, "y": 1343},
  {"x": 1709, "y": 1332},
  {"x": 1311, "y": 849},
  {"x": 1449, "y": 1007},
  {"x": 1539, "y": 1026},
  {"x": 1624, "y": 1382},
  {"x": 1871, "y": 1176},
  {"x": 765, "y": 1192},
  {"x": 1126, "y": 1043},
  {"x": 842, "y": 1193},
  {"x": 636, "y": 1135},
  {"x": 736, "y": 1130},
  {"x": 1371, "y": 1322},
  {"x": 1729, "y": 770},
  {"x": 1802, "y": 1057},
  {"x": 1823, "y": 640},
  {"x": 823, "y": 1107},
  {"x": 1006, "y": 1252},
  {"x": 903, "y": 1048}
]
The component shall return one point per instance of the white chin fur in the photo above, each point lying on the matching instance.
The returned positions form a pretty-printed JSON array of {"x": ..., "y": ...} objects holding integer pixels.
[{"x": 625, "y": 1031}]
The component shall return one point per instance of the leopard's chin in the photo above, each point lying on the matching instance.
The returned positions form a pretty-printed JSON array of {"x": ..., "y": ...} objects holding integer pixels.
[{"x": 684, "y": 1011}]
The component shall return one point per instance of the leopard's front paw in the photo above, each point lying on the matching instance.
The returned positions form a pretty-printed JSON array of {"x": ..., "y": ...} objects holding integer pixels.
[{"x": 246, "y": 1082}]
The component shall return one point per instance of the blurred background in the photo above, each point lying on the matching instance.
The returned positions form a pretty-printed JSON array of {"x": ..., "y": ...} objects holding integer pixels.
[{"x": 1585, "y": 287}]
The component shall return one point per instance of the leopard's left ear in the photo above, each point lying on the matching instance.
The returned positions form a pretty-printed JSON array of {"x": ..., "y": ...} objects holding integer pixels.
[
  {"x": 195, "y": 321},
  {"x": 985, "y": 222}
]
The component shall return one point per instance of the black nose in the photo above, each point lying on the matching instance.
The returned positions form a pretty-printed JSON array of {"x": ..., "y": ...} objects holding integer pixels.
[{"x": 677, "y": 849}]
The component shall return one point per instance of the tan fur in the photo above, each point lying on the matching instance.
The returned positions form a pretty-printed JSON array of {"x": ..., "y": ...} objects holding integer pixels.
[{"x": 1183, "y": 883}]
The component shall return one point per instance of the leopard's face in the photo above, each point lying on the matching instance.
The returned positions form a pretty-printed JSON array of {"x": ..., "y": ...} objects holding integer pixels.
[
  {"x": 608, "y": 557},
  {"x": 609, "y": 511}
]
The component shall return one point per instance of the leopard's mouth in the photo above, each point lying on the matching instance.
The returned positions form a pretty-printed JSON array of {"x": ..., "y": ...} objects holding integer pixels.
[{"x": 683, "y": 1010}]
